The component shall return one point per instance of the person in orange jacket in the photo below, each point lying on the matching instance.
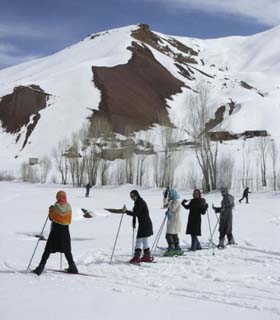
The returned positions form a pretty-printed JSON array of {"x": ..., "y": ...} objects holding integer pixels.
[{"x": 59, "y": 238}]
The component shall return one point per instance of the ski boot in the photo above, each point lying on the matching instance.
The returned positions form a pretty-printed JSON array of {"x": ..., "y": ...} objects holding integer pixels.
[
  {"x": 170, "y": 251},
  {"x": 39, "y": 269},
  {"x": 72, "y": 268},
  {"x": 231, "y": 240},
  {"x": 221, "y": 244},
  {"x": 147, "y": 256},
  {"x": 178, "y": 251},
  {"x": 136, "y": 258}
]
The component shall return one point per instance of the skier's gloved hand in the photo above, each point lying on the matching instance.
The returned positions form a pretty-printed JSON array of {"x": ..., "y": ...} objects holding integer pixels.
[
  {"x": 184, "y": 201},
  {"x": 206, "y": 205},
  {"x": 124, "y": 209},
  {"x": 215, "y": 208}
]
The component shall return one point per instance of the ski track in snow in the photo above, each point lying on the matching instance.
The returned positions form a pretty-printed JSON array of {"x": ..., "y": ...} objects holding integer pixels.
[{"x": 173, "y": 276}]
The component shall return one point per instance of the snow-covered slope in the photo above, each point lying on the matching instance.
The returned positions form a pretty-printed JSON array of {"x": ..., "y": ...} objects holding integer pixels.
[{"x": 244, "y": 70}]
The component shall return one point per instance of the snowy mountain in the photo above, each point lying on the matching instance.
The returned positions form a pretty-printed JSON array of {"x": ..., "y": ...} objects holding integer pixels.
[{"x": 134, "y": 78}]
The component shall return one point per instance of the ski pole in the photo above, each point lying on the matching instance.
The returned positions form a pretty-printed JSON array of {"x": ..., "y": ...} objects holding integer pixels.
[
  {"x": 60, "y": 261},
  {"x": 154, "y": 246},
  {"x": 211, "y": 239},
  {"x": 216, "y": 225},
  {"x": 116, "y": 238},
  {"x": 133, "y": 232},
  {"x": 37, "y": 242}
]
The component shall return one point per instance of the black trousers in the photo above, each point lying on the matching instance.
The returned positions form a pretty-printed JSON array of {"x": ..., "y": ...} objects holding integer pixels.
[
  {"x": 244, "y": 197},
  {"x": 46, "y": 255}
]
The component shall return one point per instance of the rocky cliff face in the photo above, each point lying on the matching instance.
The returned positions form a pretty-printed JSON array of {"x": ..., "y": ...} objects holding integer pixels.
[
  {"x": 134, "y": 95},
  {"x": 21, "y": 108}
]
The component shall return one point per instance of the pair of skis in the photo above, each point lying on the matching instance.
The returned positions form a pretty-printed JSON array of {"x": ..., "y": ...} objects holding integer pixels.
[{"x": 10, "y": 269}]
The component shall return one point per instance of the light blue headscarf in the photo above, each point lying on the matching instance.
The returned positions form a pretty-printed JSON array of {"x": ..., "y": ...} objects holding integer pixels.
[{"x": 174, "y": 194}]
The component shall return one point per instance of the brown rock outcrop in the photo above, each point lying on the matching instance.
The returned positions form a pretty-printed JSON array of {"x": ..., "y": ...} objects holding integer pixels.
[
  {"x": 133, "y": 95},
  {"x": 17, "y": 108}
]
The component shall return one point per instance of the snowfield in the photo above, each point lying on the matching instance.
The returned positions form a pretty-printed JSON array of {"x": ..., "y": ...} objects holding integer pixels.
[{"x": 240, "y": 282}]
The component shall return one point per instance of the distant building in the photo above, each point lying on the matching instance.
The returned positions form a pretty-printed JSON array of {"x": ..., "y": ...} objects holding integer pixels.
[{"x": 33, "y": 161}]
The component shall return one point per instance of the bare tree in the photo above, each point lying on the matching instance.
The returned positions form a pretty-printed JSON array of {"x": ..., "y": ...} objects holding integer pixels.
[
  {"x": 104, "y": 171},
  {"x": 192, "y": 178},
  {"x": 224, "y": 178},
  {"x": 206, "y": 151},
  {"x": 29, "y": 173},
  {"x": 140, "y": 168},
  {"x": 77, "y": 158},
  {"x": 246, "y": 164},
  {"x": 167, "y": 158},
  {"x": 98, "y": 133},
  {"x": 119, "y": 176},
  {"x": 262, "y": 147},
  {"x": 45, "y": 167},
  {"x": 273, "y": 151},
  {"x": 61, "y": 161},
  {"x": 130, "y": 166}
]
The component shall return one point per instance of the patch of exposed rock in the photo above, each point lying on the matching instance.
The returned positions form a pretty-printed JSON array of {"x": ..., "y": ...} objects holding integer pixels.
[
  {"x": 21, "y": 108},
  {"x": 247, "y": 86},
  {"x": 134, "y": 95},
  {"x": 145, "y": 35}
]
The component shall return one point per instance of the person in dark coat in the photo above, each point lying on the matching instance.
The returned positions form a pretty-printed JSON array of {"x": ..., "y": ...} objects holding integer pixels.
[
  {"x": 145, "y": 228},
  {"x": 245, "y": 195},
  {"x": 225, "y": 227},
  {"x": 88, "y": 187},
  {"x": 197, "y": 207},
  {"x": 59, "y": 238}
]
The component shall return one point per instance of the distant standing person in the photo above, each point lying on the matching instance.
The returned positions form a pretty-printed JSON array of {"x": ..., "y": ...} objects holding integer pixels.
[
  {"x": 173, "y": 226},
  {"x": 88, "y": 187},
  {"x": 145, "y": 228},
  {"x": 197, "y": 207},
  {"x": 225, "y": 227},
  {"x": 59, "y": 238},
  {"x": 245, "y": 195}
]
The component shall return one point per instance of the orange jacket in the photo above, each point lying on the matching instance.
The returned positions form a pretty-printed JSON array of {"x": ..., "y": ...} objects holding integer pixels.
[{"x": 60, "y": 216}]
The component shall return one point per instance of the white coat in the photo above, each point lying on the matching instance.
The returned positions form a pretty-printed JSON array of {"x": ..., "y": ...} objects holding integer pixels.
[{"x": 174, "y": 221}]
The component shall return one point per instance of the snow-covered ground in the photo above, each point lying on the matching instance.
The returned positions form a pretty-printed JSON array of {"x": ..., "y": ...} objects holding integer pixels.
[{"x": 238, "y": 282}]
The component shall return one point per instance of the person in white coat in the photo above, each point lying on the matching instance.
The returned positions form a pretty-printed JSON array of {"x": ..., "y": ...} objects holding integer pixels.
[{"x": 173, "y": 226}]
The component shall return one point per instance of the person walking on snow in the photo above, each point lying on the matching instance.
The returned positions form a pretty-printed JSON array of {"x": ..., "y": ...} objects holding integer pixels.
[
  {"x": 59, "y": 238},
  {"x": 173, "y": 226},
  {"x": 88, "y": 187},
  {"x": 197, "y": 207},
  {"x": 245, "y": 195},
  {"x": 145, "y": 228},
  {"x": 225, "y": 227}
]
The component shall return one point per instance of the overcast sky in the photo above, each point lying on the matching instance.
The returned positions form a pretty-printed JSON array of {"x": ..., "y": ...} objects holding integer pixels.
[{"x": 30, "y": 29}]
